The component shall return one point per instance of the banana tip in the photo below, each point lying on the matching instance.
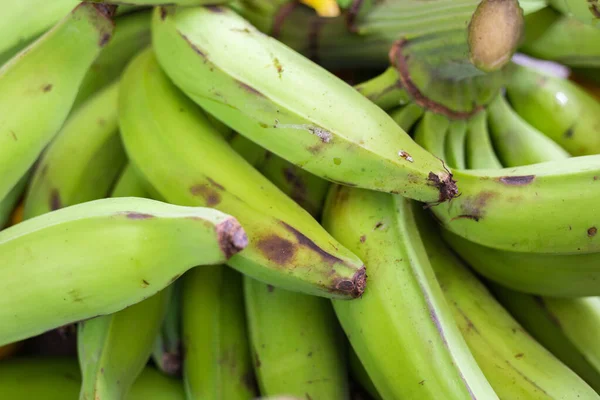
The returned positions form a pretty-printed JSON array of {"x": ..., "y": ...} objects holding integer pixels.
[
  {"x": 356, "y": 286},
  {"x": 232, "y": 237}
]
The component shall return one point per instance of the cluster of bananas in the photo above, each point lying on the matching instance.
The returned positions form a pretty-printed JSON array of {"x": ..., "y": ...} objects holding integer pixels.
[{"x": 216, "y": 216}]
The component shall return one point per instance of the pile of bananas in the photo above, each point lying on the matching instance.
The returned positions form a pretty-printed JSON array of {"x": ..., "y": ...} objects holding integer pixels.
[{"x": 324, "y": 200}]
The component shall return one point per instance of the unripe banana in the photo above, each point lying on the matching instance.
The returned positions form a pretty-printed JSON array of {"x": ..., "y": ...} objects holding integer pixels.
[
  {"x": 59, "y": 379},
  {"x": 293, "y": 108},
  {"x": 287, "y": 248},
  {"x": 101, "y": 256},
  {"x": 8, "y": 204},
  {"x": 385, "y": 90},
  {"x": 587, "y": 11},
  {"x": 46, "y": 77},
  {"x": 478, "y": 147},
  {"x": 558, "y": 108},
  {"x": 217, "y": 363},
  {"x": 517, "y": 142},
  {"x": 431, "y": 133},
  {"x": 408, "y": 115},
  {"x": 402, "y": 328},
  {"x": 455, "y": 144},
  {"x": 132, "y": 34},
  {"x": 83, "y": 161}
]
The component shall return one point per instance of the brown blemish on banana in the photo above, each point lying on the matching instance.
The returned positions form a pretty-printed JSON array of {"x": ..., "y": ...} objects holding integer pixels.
[
  {"x": 135, "y": 215},
  {"x": 399, "y": 61},
  {"x": 46, "y": 88},
  {"x": 594, "y": 8},
  {"x": 104, "y": 39},
  {"x": 519, "y": 356},
  {"x": 55, "y": 202},
  {"x": 446, "y": 186},
  {"x": 215, "y": 184},
  {"x": 306, "y": 242},
  {"x": 278, "y": 66},
  {"x": 232, "y": 237},
  {"x": 517, "y": 180},
  {"x": 592, "y": 231},
  {"x": 406, "y": 156},
  {"x": 569, "y": 133},
  {"x": 145, "y": 283},
  {"x": 363, "y": 238},
  {"x": 14, "y": 136},
  {"x": 171, "y": 363},
  {"x": 210, "y": 195},
  {"x": 195, "y": 48},
  {"x": 474, "y": 208},
  {"x": 277, "y": 249},
  {"x": 75, "y": 295},
  {"x": 249, "y": 89},
  {"x": 107, "y": 10},
  {"x": 163, "y": 13}
]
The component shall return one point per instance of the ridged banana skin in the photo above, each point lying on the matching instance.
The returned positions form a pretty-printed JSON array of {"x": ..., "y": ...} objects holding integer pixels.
[
  {"x": 27, "y": 378},
  {"x": 113, "y": 349},
  {"x": 534, "y": 208},
  {"x": 8, "y": 204},
  {"x": 568, "y": 328},
  {"x": 45, "y": 77},
  {"x": 517, "y": 142},
  {"x": 558, "y": 108},
  {"x": 431, "y": 133},
  {"x": 407, "y": 116},
  {"x": 297, "y": 345},
  {"x": 101, "y": 256},
  {"x": 291, "y": 106},
  {"x": 189, "y": 163},
  {"x": 479, "y": 149},
  {"x": 515, "y": 364},
  {"x": 454, "y": 150},
  {"x": 402, "y": 326},
  {"x": 131, "y": 35},
  {"x": 25, "y": 20},
  {"x": 217, "y": 363},
  {"x": 83, "y": 161},
  {"x": 586, "y": 11}
]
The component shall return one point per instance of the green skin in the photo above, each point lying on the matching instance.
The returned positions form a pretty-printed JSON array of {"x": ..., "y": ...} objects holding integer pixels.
[
  {"x": 8, "y": 204},
  {"x": 515, "y": 364},
  {"x": 144, "y": 244},
  {"x": 360, "y": 374},
  {"x": 276, "y": 106},
  {"x": 385, "y": 90},
  {"x": 83, "y": 161},
  {"x": 287, "y": 248},
  {"x": 114, "y": 349},
  {"x": 65, "y": 52},
  {"x": 217, "y": 362},
  {"x": 431, "y": 133},
  {"x": 517, "y": 142},
  {"x": 587, "y": 11},
  {"x": 479, "y": 150},
  {"x": 167, "y": 351},
  {"x": 558, "y": 108},
  {"x": 132, "y": 34},
  {"x": 402, "y": 325},
  {"x": 455, "y": 144},
  {"x": 59, "y": 379},
  {"x": 407, "y": 115}
]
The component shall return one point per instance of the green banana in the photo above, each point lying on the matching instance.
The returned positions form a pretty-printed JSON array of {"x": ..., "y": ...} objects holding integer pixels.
[
  {"x": 287, "y": 247},
  {"x": 558, "y": 108},
  {"x": 101, "y": 256},
  {"x": 27, "y": 378},
  {"x": 167, "y": 352},
  {"x": 83, "y": 161},
  {"x": 587, "y": 11},
  {"x": 569, "y": 328},
  {"x": 402, "y": 328},
  {"x": 132, "y": 34},
  {"x": 407, "y": 116},
  {"x": 479, "y": 150},
  {"x": 65, "y": 53},
  {"x": 8, "y": 204},
  {"x": 276, "y": 107},
  {"x": 515, "y": 364},
  {"x": 454, "y": 152},
  {"x": 217, "y": 362},
  {"x": 517, "y": 142},
  {"x": 24, "y": 21},
  {"x": 113, "y": 349},
  {"x": 431, "y": 133},
  {"x": 385, "y": 90}
]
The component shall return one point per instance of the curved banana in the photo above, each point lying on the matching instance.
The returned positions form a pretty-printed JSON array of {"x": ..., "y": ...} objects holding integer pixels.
[
  {"x": 556, "y": 107},
  {"x": 479, "y": 150},
  {"x": 569, "y": 328},
  {"x": 83, "y": 161},
  {"x": 217, "y": 362},
  {"x": 46, "y": 78},
  {"x": 287, "y": 248},
  {"x": 132, "y": 34},
  {"x": 407, "y": 116},
  {"x": 27, "y": 378},
  {"x": 517, "y": 142},
  {"x": 587, "y": 11},
  {"x": 454, "y": 152},
  {"x": 167, "y": 353},
  {"x": 385, "y": 90},
  {"x": 8, "y": 204},
  {"x": 294, "y": 108},
  {"x": 431, "y": 133},
  {"x": 515, "y": 364},
  {"x": 402, "y": 328},
  {"x": 101, "y": 256}
]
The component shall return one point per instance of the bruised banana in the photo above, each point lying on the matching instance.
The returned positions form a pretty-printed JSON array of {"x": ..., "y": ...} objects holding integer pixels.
[
  {"x": 83, "y": 161},
  {"x": 569, "y": 328},
  {"x": 113, "y": 349},
  {"x": 217, "y": 362},
  {"x": 517, "y": 142},
  {"x": 294, "y": 108},
  {"x": 515, "y": 364},
  {"x": 402, "y": 326},
  {"x": 132, "y": 34},
  {"x": 556, "y": 107},
  {"x": 46, "y": 77},
  {"x": 101, "y": 256},
  {"x": 179, "y": 152},
  {"x": 59, "y": 379},
  {"x": 167, "y": 351}
]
